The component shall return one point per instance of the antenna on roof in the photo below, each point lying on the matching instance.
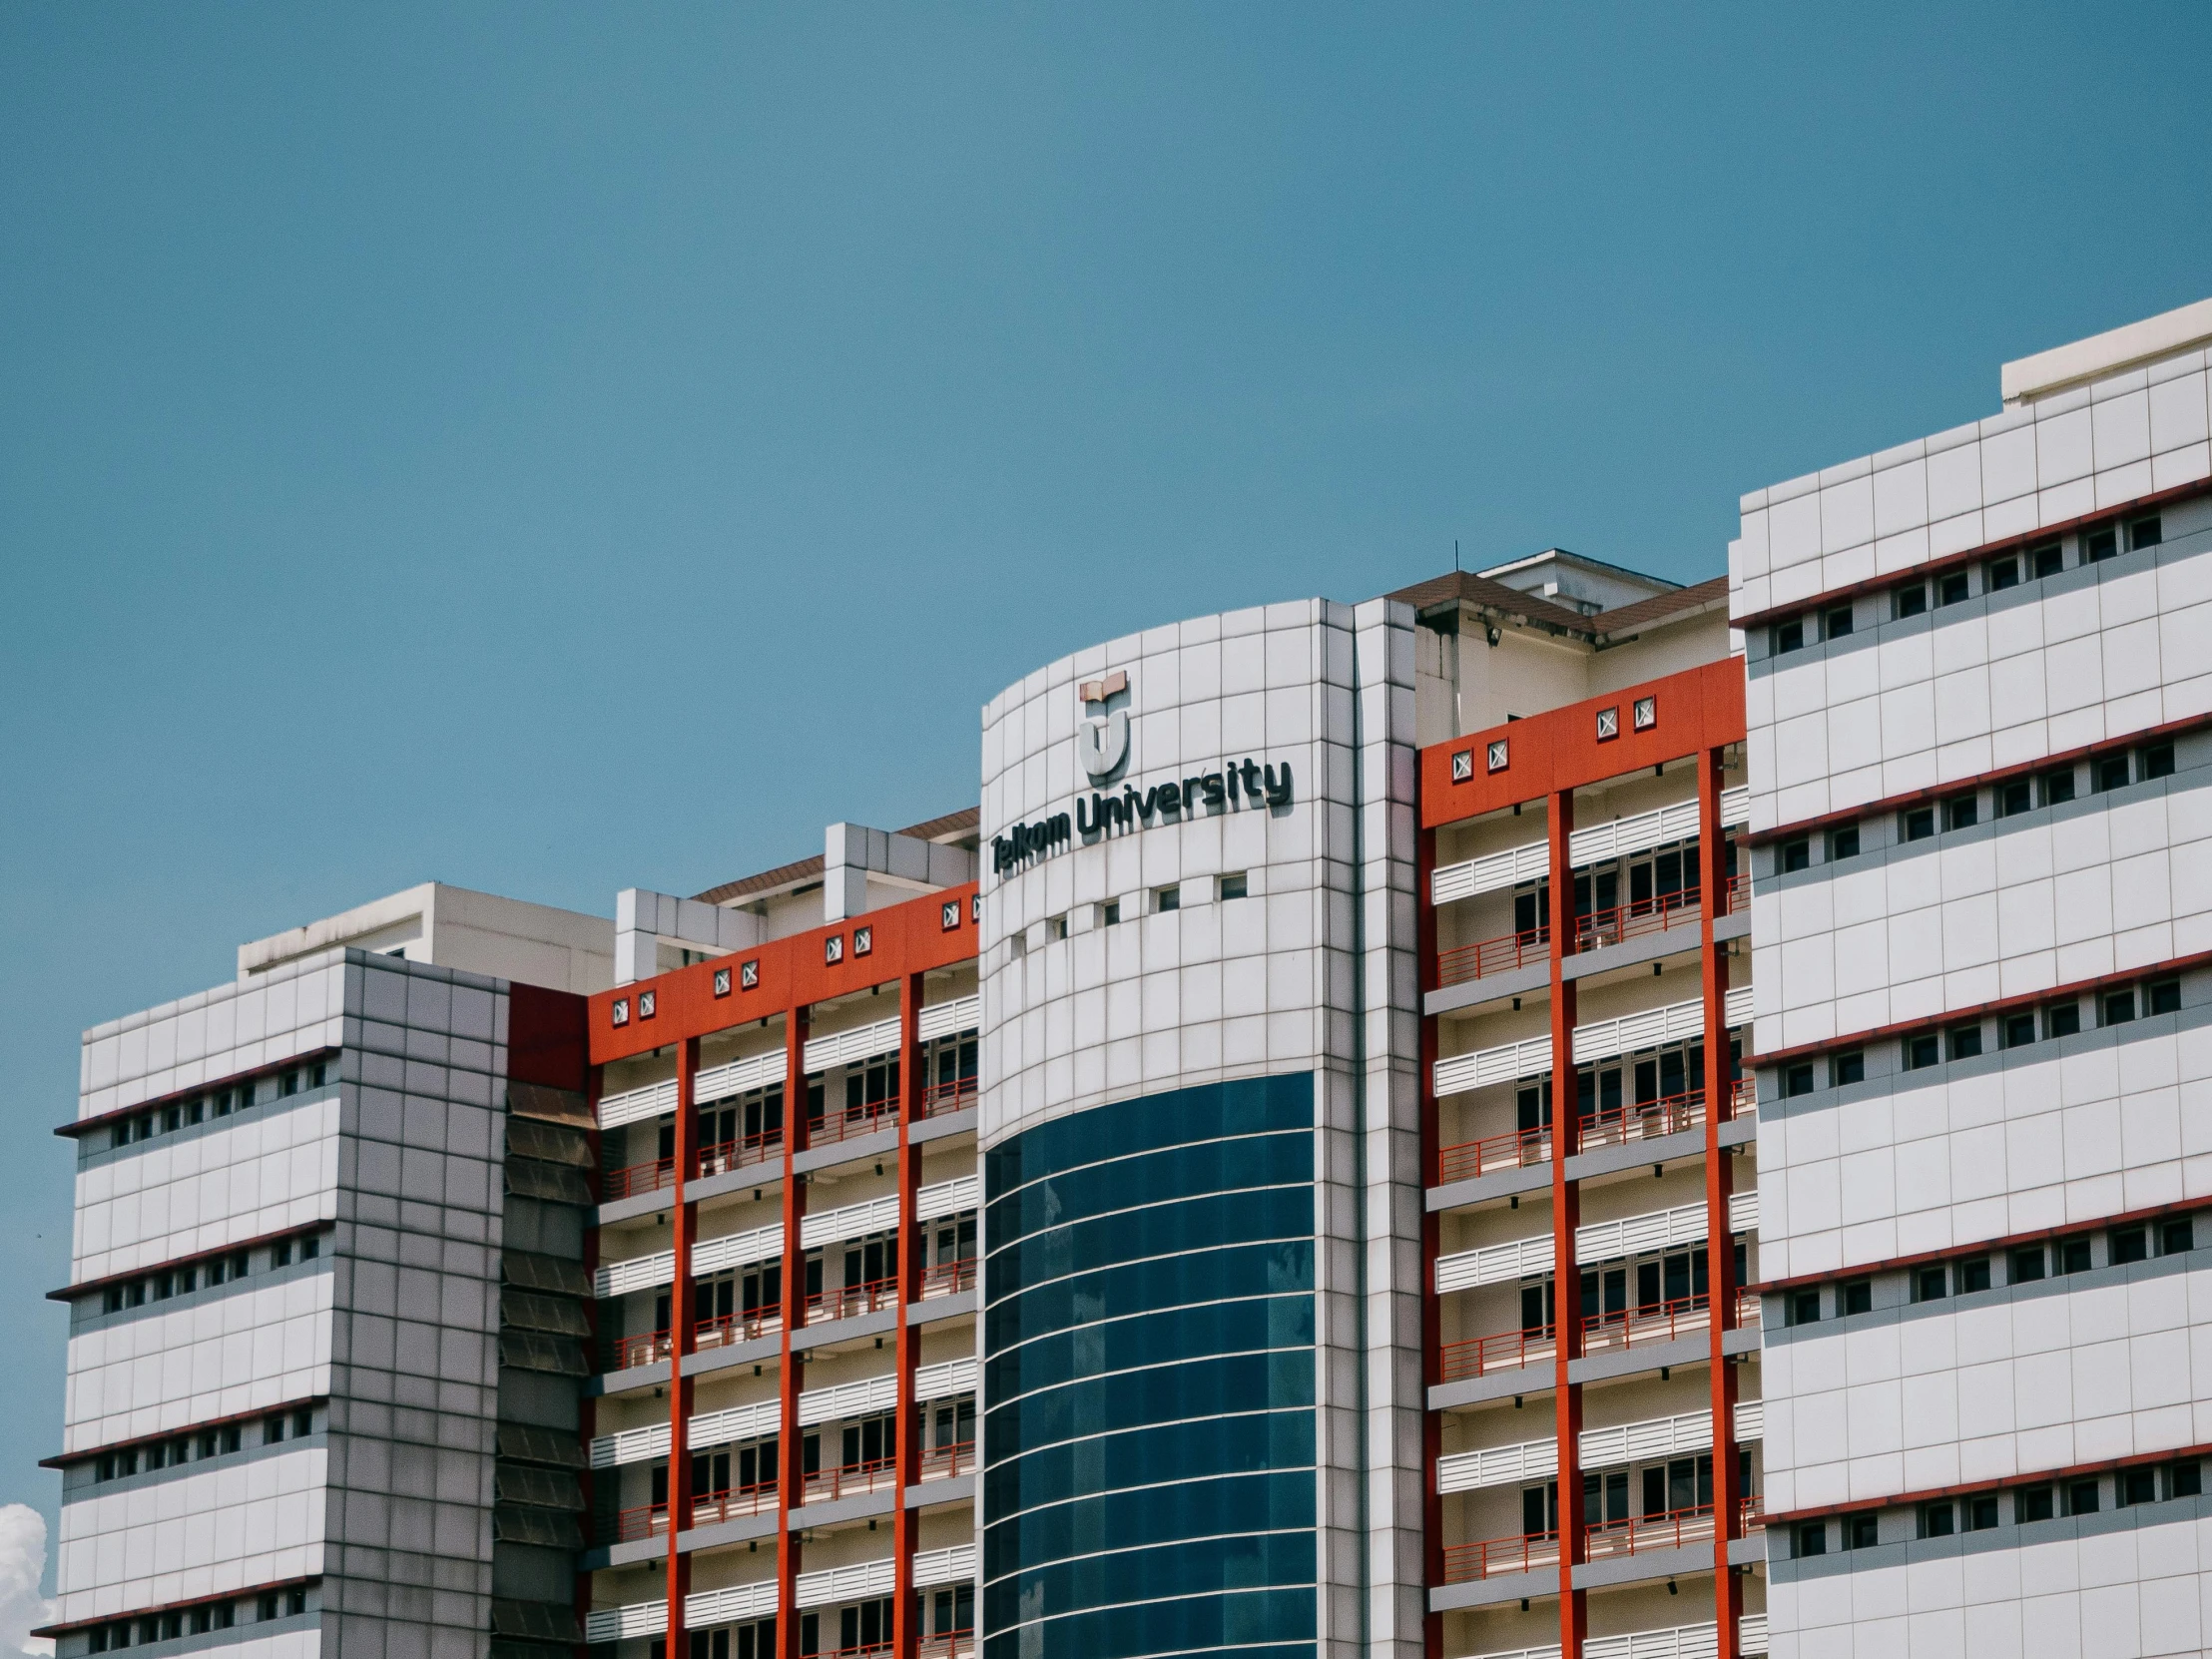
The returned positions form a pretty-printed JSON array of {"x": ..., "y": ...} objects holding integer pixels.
[{"x": 1456, "y": 555}]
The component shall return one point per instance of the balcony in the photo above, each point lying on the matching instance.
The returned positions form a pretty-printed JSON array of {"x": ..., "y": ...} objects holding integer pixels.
[
  {"x": 1492, "y": 956},
  {"x": 650, "y": 1520},
  {"x": 1602, "y": 1541},
  {"x": 941, "y": 1098},
  {"x": 942, "y": 1462},
  {"x": 1507, "y": 1351},
  {"x": 849, "y": 1123},
  {"x": 1670, "y": 1529},
  {"x": 953, "y": 1644},
  {"x": 850, "y": 1480},
  {"x": 948, "y": 1278},
  {"x": 1515, "y": 1149},
  {"x": 1466, "y": 1562},
  {"x": 853, "y": 1300},
  {"x": 652, "y": 1346},
  {"x": 1616, "y": 1125}
]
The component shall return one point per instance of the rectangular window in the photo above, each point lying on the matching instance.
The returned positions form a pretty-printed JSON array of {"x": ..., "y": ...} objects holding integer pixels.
[
  {"x": 272, "y": 1430},
  {"x": 2062, "y": 1019},
  {"x": 2011, "y": 800},
  {"x": 1235, "y": 884},
  {"x": 2133, "y": 1486},
  {"x": 1958, "y": 812},
  {"x": 2033, "y": 1503},
  {"x": 1849, "y": 1068},
  {"x": 1788, "y": 636},
  {"x": 2108, "y": 771},
  {"x": 2003, "y": 573},
  {"x": 1837, "y": 623},
  {"x": 2082, "y": 1497},
  {"x": 2048, "y": 559},
  {"x": 2027, "y": 1264},
  {"x": 2145, "y": 532},
  {"x": 1951, "y": 589},
  {"x": 2185, "y": 1480},
  {"x": 2115, "y": 1007},
  {"x": 2155, "y": 762},
  {"x": 1973, "y": 1276},
  {"x": 1916, "y": 823},
  {"x": 279, "y": 1255},
  {"x": 1055, "y": 927},
  {"x": 1981, "y": 1513},
  {"x": 1812, "y": 1538},
  {"x": 2163, "y": 997},
  {"x": 1921, "y": 1051},
  {"x": 2070, "y": 1256},
  {"x": 1966, "y": 1041},
  {"x": 2099, "y": 544},
  {"x": 2130, "y": 1244},
  {"x": 1804, "y": 1307},
  {"x": 1938, "y": 1520},
  {"x": 2016, "y": 1031},
  {"x": 2176, "y": 1236},
  {"x": 309, "y": 1248},
  {"x": 1929, "y": 1284},
  {"x": 1168, "y": 898},
  {"x": 2058, "y": 787},
  {"x": 1858, "y": 1297},
  {"x": 1861, "y": 1532},
  {"x": 1843, "y": 843},
  {"x": 1113, "y": 912},
  {"x": 1797, "y": 855},
  {"x": 1905, "y": 602},
  {"x": 1797, "y": 1079}
]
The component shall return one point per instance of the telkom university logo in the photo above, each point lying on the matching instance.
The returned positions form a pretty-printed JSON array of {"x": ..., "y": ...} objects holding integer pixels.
[{"x": 1102, "y": 740}]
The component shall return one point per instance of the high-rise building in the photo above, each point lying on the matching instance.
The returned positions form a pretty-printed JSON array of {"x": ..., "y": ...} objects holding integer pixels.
[{"x": 1980, "y": 733}]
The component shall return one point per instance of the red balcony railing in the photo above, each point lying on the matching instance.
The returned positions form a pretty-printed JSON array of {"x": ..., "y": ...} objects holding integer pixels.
[
  {"x": 1618, "y": 1125},
  {"x": 1745, "y": 1103},
  {"x": 1495, "y": 1555},
  {"x": 726, "y": 1156},
  {"x": 1736, "y": 896},
  {"x": 852, "y": 1299},
  {"x": 1515, "y": 1149},
  {"x": 1658, "y": 1321},
  {"x": 951, "y": 1644},
  {"x": 940, "y": 1463},
  {"x": 1749, "y": 1311},
  {"x": 1752, "y": 1515},
  {"x": 726, "y": 1329},
  {"x": 864, "y": 1650},
  {"x": 1671, "y": 1529},
  {"x": 1627, "y": 921},
  {"x": 948, "y": 1278},
  {"x": 1506, "y": 1350},
  {"x": 851, "y": 1122},
  {"x": 947, "y": 1097},
  {"x": 850, "y": 1480},
  {"x": 641, "y": 1350},
  {"x": 639, "y": 1178},
  {"x": 1489, "y": 956},
  {"x": 707, "y": 1510}
]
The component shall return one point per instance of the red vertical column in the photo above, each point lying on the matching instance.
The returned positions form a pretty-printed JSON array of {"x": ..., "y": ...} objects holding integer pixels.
[
  {"x": 681, "y": 1322},
  {"x": 788, "y": 1483},
  {"x": 1567, "y": 1215},
  {"x": 1720, "y": 1241},
  {"x": 1431, "y": 1240},
  {"x": 905, "y": 1523}
]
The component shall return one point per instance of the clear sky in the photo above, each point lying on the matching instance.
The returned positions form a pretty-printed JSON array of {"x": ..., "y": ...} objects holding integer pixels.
[{"x": 552, "y": 450}]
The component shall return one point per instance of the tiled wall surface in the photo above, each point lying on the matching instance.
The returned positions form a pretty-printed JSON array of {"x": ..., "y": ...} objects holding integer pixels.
[{"x": 212, "y": 1034}]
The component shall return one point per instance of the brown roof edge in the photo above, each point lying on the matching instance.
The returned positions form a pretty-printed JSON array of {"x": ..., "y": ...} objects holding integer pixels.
[
  {"x": 1705, "y": 596},
  {"x": 945, "y": 827},
  {"x": 1484, "y": 593}
]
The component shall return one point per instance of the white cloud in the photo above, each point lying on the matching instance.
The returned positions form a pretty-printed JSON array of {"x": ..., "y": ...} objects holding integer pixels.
[{"x": 22, "y": 1565}]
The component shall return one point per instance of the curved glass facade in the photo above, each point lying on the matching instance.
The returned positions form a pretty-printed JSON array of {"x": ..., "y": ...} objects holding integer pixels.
[{"x": 1149, "y": 1373}]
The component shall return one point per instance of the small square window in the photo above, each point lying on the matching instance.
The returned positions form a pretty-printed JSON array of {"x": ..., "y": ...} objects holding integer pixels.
[
  {"x": 2099, "y": 544},
  {"x": 1862, "y": 1531},
  {"x": 1797, "y": 855},
  {"x": 2115, "y": 1007},
  {"x": 2108, "y": 771},
  {"x": 1843, "y": 843},
  {"x": 1918, "y": 822},
  {"x": 1921, "y": 1051},
  {"x": 1952, "y": 589},
  {"x": 2133, "y": 1486},
  {"x": 1608, "y": 722},
  {"x": 1849, "y": 1068},
  {"x": 1112, "y": 911},
  {"x": 1928, "y": 1285},
  {"x": 1960, "y": 813},
  {"x": 1788, "y": 636},
  {"x": 1057, "y": 928},
  {"x": 2058, "y": 787},
  {"x": 2062, "y": 1019},
  {"x": 1797, "y": 1079},
  {"x": 2025, "y": 1266},
  {"x": 1236, "y": 885},
  {"x": 1463, "y": 766},
  {"x": 2070, "y": 1256},
  {"x": 833, "y": 948},
  {"x": 863, "y": 942},
  {"x": 1812, "y": 1538},
  {"x": 2012, "y": 799},
  {"x": 1905, "y": 602},
  {"x": 2185, "y": 1480},
  {"x": 2048, "y": 560},
  {"x": 2003, "y": 573},
  {"x": 2016, "y": 1031},
  {"x": 721, "y": 981},
  {"x": 2155, "y": 762},
  {"x": 1498, "y": 754},
  {"x": 1837, "y": 623},
  {"x": 948, "y": 915},
  {"x": 1643, "y": 714},
  {"x": 2130, "y": 1244},
  {"x": 975, "y": 908},
  {"x": 2176, "y": 1236},
  {"x": 2163, "y": 997},
  {"x": 622, "y": 1010},
  {"x": 1167, "y": 898},
  {"x": 749, "y": 974},
  {"x": 1973, "y": 1276},
  {"x": 1938, "y": 1520},
  {"x": 1981, "y": 1513},
  {"x": 2033, "y": 1503},
  {"x": 2145, "y": 532},
  {"x": 2082, "y": 1497},
  {"x": 1858, "y": 1297},
  {"x": 1804, "y": 1307},
  {"x": 1965, "y": 1041},
  {"x": 647, "y": 1002}
]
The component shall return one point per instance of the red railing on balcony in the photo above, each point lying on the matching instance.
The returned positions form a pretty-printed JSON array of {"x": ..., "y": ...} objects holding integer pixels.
[
  {"x": 1671, "y": 1529},
  {"x": 851, "y": 1122},
  {"x": 1515, "y": 1149},
  {"x": 1749, "y": 1311},
  {"x": 865, "y": 1650},
  {"x": 639, "y": 1178},
  {"x": 1737, "y": 895},
  {"x": 939, "y": 1462},
  {"x": 852, "y": 1299},
  {"x": 707, "y": 1510},
  {"x": 726, "y": 1156},
  {"x": 850, "y": 1480},
  {"x": 947, "y": 1097},
  {"x": 1746, "y": 1099},
  {"x": 1658, "y": 1321},
  {"x": 1752, "y": 1515},
  {"x": 948, "y": 1278},
  {"x": 1506, "y": 1350},
  {"x": 1495, "y": 1555},
  {"x": 1618, "y": 1125},
  {"x": 725, "y": 1329},
  {"x": 641, "y": 1350},
  {"x": 951, "y": 1644},
  {"x": 1639, "y": 917},
  {"x": 1489, "y": 956}
]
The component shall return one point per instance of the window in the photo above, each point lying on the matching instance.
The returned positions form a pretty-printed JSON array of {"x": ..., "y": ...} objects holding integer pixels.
[
  {"x": 1235, "y": 884},
  {"x": 2155, "y": 762},
  {"x": 1113, "y": 912},
  {"x": 1861, "y": 1532},
  {"x": 1857, "y": 1297},
  {"x": 265, "y": 1606},
  {"x": 2070, "y": 1256},
  {"x": 2058, "y": 787},
  {"x": 1958, "y": 812},
  {"x": 2033, "y": 1503},
  {"x": 302, "y": 1424},
  {"x": 2163, "y": 997},
  {"x": 2003, "y": 573},
  {"x": 2048, "y": 560},
  {"x": 1928, "y": 1285},
  {"x": 1797, "y": 1079},
  {"x": 2108, "y": 771},
  {"x": 296, "y": 1601},
  {"x": 1797, "y": 855},
  {"x": 1804, "y": 1307},
  {"x": 1837, "y": 623},
  {"x": 2115, "y": 1007},
  {"x": 1973, "y": 1276},
  {"x": 1905, "y": 602},
  {"x": 1920, "y": 1052},
  {"x": 1952, "y": 589},
  {"x": 2062, "y": 1019},
  {"x": 1167, "y": 898},
  {"x": 1055, "y": 927},
  {"x": 1981, "y": 1513},
  {"x": 2016, "y": 1031},
  {"x": 309, "y": 1248},
  {"x": 1843, "y": 843},
  {"x": 1966, "y": 1041},
  {"x": 2010, "y": 799},
  {"x": 2099, "y": 544},
  {"x": 1788, "y": 636},
  {"x": 2027, "y": 1264},
  {"x": 1849, "y": 1068},
  {"x": 2082, "y": 1497},
  {"x": 1938, "y": 1520},
  {"x": 2174, "y": 1237},
  {"x": 272, "y": 1430},
  {"x": 2132, "y": 1486},
  {"x": 2145, "y": 532},
  {"x": 1917, "y": 822},
  {"x": 2130, "y": 1244},
  {"x": 2185, "y": 1480},
  {"x": 279, "y": 1255},
  {"x": 1812, "y": 1538}
]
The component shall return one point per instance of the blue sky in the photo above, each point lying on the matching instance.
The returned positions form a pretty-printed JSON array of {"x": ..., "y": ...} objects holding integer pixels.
[{"x": 552, "y": 449}]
